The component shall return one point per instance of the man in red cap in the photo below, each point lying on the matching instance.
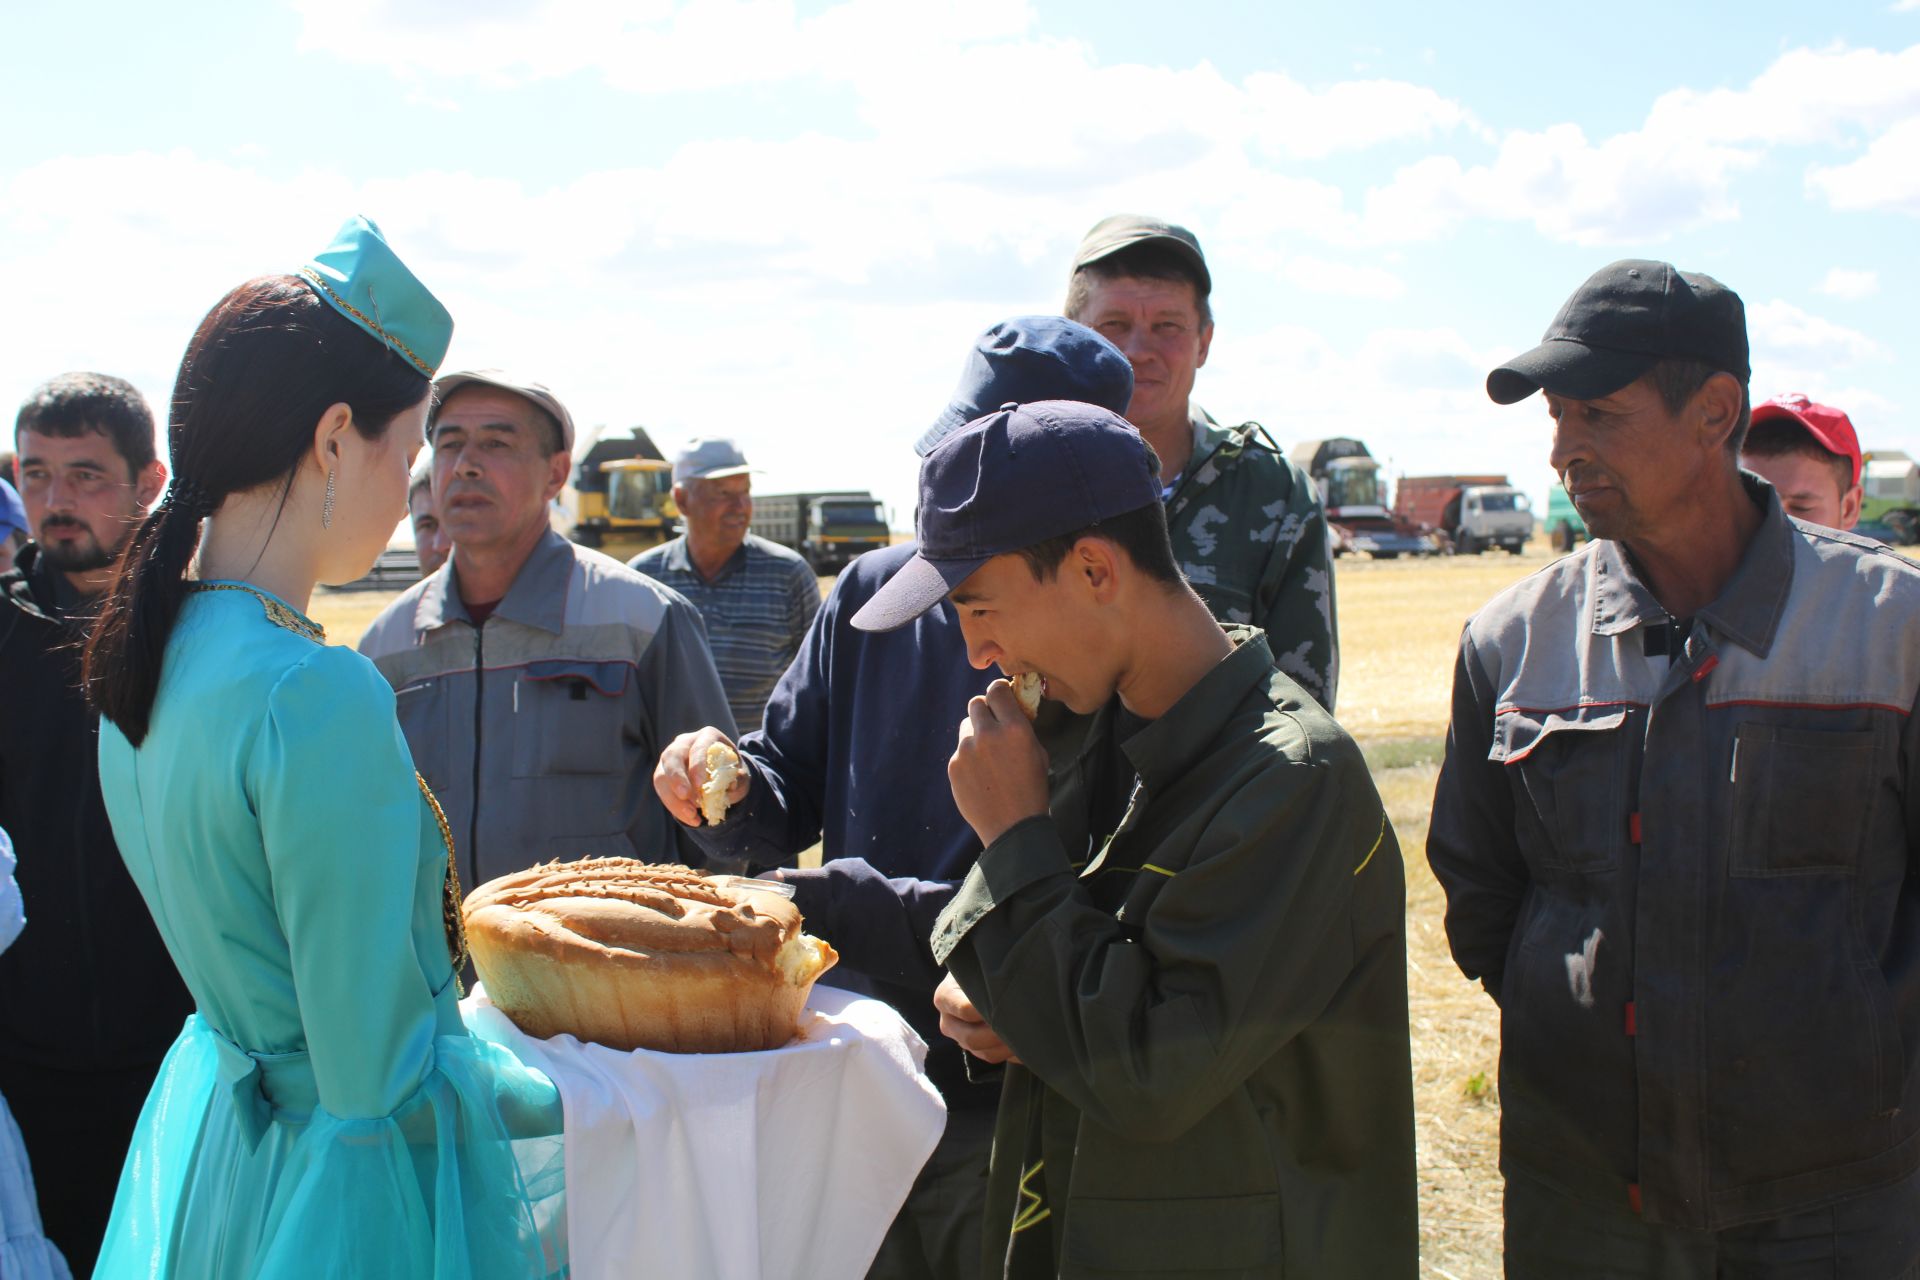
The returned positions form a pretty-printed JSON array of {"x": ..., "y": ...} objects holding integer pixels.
[{"x": 1810, "y": 455}]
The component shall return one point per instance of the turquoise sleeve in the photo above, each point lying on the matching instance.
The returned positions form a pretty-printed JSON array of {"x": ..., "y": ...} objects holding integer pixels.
[{"x": 340, "y": 813}]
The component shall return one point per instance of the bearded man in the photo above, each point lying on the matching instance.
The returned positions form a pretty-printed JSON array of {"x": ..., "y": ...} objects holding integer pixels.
[{"x": 89, "y": 999}]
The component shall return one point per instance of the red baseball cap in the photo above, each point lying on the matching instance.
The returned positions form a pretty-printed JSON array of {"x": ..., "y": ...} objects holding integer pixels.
[{"x": 1831, "y": 429}]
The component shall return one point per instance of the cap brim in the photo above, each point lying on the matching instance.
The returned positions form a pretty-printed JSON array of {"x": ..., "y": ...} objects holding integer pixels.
[
  {"x": 919, "y": 585},
  {"x": 1566, "y": 368},
  {"x": 951, "y": 419},
  {"x": 719, "y": 473},
  {"x": 1107, "y": 246}
]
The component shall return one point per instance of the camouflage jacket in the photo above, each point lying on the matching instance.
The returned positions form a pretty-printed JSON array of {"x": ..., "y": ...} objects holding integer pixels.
[{"x": 1251, "y": 535}]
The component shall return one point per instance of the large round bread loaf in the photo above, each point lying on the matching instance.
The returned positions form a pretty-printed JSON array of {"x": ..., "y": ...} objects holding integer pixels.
[{"x": 641, "y": 956}]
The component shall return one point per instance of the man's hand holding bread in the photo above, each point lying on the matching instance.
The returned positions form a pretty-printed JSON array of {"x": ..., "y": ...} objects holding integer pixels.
[
  {"x": 999, "y": 769},
  {"x": 681, "y": 777}
]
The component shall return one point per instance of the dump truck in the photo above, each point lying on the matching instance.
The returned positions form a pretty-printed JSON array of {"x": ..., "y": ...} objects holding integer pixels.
[
  {"x": 619, "y": 498},
  {"x": 828, "y": 529},
  {"x": 1355, "y": 498},
  {"x": 1890, "y": 493},
  {"x": 1473, "y": 513}
]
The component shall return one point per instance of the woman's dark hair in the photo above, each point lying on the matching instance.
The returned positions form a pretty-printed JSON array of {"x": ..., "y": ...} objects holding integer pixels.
[{"x": 264, "y": 365}]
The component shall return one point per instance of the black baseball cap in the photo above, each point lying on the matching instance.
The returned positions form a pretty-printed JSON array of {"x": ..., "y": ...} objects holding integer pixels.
[
  {"x": 1623, "y": 320},
  {"x": 1004, "y": 482}
]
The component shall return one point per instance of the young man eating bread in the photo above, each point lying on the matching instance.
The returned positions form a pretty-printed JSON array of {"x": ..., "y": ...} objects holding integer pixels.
[{"x": 1185, "y": 934}]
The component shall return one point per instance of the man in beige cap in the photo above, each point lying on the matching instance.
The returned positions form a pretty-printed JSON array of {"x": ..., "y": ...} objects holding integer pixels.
[
  {"x": 1248, "y": 528},
  {"x": 756, "y": 597},
  {"x": 537, "y": 680}
]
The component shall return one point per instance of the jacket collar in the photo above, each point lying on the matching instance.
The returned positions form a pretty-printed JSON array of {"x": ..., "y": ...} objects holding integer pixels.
[
  {"x": 679, "y": 556},
  {"x": 35, "y": 587},
  {"x": 538, "y": 596},
  {"x": 1748, "y": 608},
  {"x": 1166, "y": 748}
]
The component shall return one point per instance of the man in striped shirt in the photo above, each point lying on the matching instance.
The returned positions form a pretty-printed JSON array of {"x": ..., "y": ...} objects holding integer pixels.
[{"x": 755, "y": 596}]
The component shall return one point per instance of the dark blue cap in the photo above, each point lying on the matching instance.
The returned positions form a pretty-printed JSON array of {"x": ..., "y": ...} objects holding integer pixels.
[
  {"x": 1030, "y": 358},
  {"x": 13, "y": 512},
  {"x": 1007, "y": 481}
]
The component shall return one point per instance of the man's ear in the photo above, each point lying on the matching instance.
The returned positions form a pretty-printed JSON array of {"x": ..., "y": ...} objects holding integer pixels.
[
  {"x": 151, "y": 480},
  {"x": 557, "y": 467},
  {"x": 1206, "y": 342},
  {"x": 1718, "y": 403},
  {"x": 1095, "y": 561},
  {"x": 1850, "y": 507}
]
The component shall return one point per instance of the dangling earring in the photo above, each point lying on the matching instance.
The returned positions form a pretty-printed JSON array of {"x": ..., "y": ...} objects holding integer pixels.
[{"x": 326, "y": 507}]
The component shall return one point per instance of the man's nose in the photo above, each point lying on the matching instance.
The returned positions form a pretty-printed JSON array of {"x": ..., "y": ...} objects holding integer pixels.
[
  {"x": 1569, "y": 443},
  {"x": 982, "y": 652}
]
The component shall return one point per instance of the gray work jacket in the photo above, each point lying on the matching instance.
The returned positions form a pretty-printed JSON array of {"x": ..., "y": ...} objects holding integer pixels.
[
  {"x": 1690, "y": 882},
  {"x": 552, "y": 713}
]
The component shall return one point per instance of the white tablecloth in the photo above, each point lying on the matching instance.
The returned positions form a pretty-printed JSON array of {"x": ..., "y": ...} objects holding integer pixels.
[{"x": 747, "y": 1166}]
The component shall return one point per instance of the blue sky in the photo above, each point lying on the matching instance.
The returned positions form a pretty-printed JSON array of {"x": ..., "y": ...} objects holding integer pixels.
[{"x": 786, "y": 223}]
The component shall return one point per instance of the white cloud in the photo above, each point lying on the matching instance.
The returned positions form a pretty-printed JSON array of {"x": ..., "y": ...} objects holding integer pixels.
[
  {"x": 1886, "y": 177},
  {"x": 1342, "y": 279},
  {"x": 1805, "y": 96},
  {"x": 1631, "y": 187},
  {"x": 1849, "y": 284},
  {"x": 1781, "y": 332},
  {"x": 1677, "y": 171},
  {"x": 1906, "y": 6}
]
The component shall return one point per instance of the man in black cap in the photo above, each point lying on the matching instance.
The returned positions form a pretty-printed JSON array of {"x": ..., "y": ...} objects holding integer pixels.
[
  {"x": 1186, "y": 930},
  {"x": 1677, "y": 827},
  {"x": 1248, "y": 528}
]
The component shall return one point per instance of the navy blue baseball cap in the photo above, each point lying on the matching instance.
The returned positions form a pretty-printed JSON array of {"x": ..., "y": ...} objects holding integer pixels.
[
  {"x": 1031, "y": 358},
  {"x": 1627, "y": 317},
  {"x": 1006, "y": 481}
]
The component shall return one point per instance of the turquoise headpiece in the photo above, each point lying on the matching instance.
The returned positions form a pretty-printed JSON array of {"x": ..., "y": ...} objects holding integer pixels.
[{"x": 362, "y": 279}]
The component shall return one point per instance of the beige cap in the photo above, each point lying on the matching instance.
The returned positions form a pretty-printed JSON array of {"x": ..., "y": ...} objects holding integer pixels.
[{"x": 537, "y": 392}]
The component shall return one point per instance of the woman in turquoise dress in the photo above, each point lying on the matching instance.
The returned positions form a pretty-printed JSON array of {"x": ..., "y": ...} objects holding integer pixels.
[{"x": 324, "y": 1112}]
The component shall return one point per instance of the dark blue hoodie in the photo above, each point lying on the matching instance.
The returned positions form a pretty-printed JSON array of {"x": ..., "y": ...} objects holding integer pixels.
[{"x": 854, "y": 754}]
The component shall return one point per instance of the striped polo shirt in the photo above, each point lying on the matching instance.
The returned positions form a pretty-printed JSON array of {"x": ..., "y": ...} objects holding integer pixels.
[{"x": 756, "y": 610}]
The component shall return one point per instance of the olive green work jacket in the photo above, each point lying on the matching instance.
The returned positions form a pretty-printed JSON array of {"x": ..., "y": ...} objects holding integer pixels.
[{"x": 1210, "y": 1005}]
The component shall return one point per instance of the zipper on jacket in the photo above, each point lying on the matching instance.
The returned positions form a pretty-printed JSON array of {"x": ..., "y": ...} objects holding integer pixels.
[{"x": 479, "y": 703}]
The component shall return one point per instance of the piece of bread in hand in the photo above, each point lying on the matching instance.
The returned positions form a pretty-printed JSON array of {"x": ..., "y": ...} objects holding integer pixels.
[
  {"x": 723, "y": 768},
  {"x": 1028, "y": 687}
]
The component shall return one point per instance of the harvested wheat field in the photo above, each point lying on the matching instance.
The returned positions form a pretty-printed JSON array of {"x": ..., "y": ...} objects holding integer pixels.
[
  {"x": 1399, "y": 625},
  {"x": 1399, "y": 629}
]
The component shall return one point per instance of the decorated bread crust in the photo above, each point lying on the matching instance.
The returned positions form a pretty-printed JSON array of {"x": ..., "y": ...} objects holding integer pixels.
[{"x": 642, "y": 956}]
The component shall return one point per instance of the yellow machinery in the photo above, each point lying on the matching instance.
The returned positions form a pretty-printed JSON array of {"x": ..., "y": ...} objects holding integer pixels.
[{"x": 620, "y": 497}]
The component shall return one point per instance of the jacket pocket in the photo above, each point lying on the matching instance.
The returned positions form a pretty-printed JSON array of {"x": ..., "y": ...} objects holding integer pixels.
[
  {"x": 422, "y": 712},
  {"x": 568, "y": 718},
  {"x": 1570, "y": 772},
  {"x": 1801, "y": 800},
  {"x": 1171, "y": 1237}
]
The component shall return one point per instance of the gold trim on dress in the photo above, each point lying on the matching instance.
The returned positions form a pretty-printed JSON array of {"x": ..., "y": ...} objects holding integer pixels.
[
  {"x": 280, "y": 615},
  {"x": 450, "y": 913}
]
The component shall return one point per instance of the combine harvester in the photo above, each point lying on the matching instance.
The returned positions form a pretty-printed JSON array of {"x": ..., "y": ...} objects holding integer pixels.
[
  {"x": 619, "y": 498},
  {"x": 1355, "y": 498}
]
